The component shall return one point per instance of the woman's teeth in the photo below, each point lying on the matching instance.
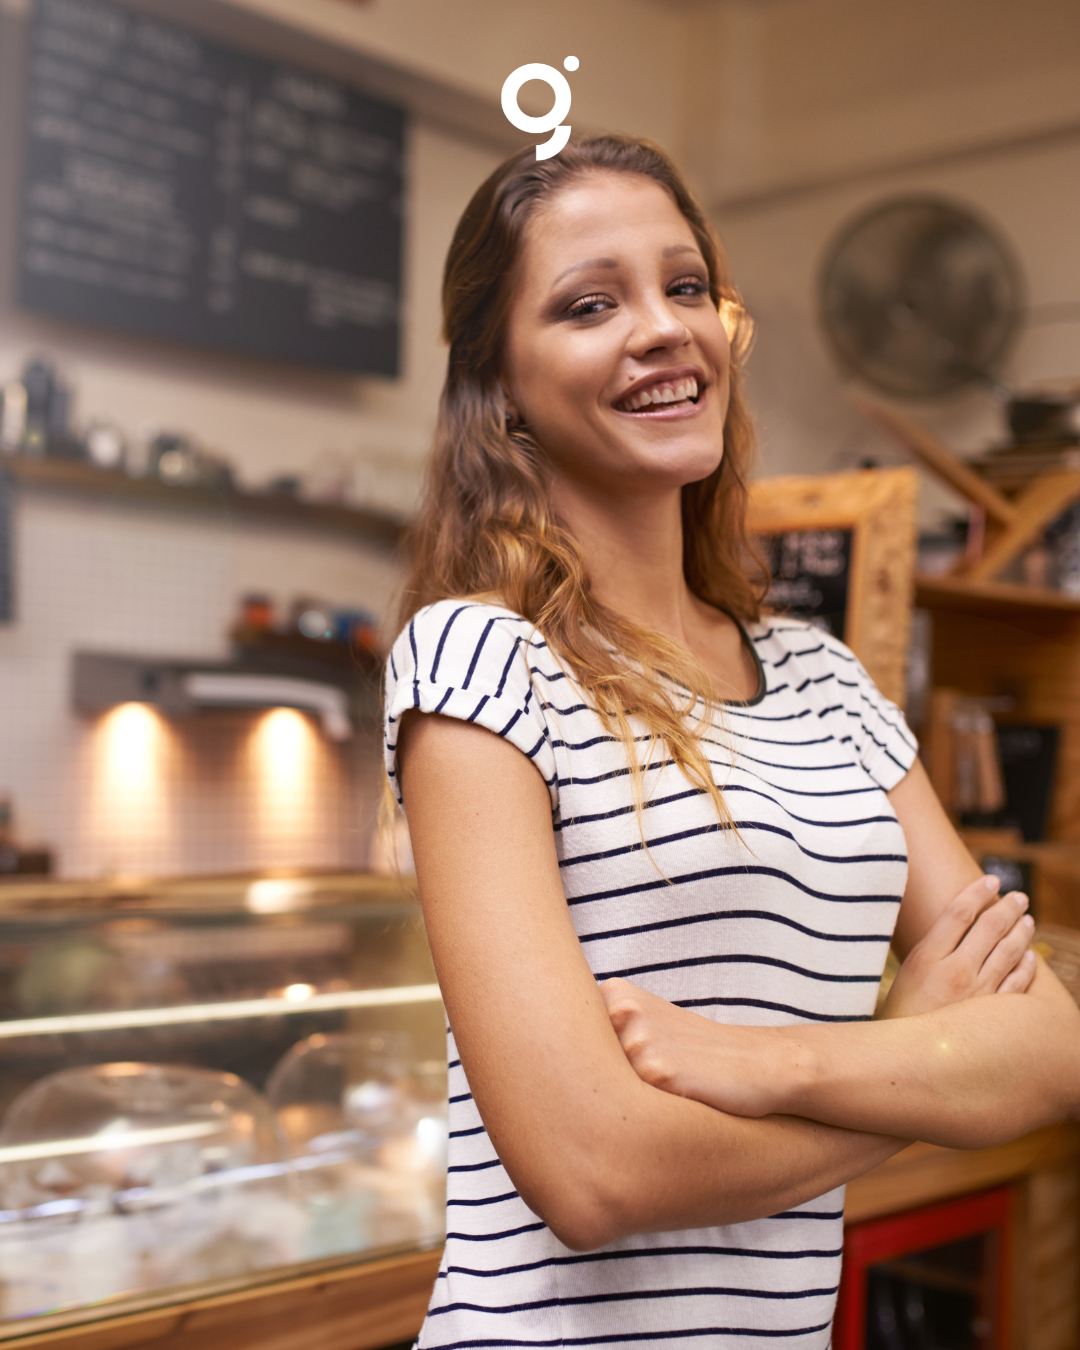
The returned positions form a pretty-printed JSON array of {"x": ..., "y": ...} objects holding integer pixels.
[{"x": 677, "y": 391}]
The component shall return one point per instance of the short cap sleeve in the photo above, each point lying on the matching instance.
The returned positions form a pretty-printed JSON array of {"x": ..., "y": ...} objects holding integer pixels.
[
  {"x": 469, "y": 661},
  {"x": 880, "y": 735}
]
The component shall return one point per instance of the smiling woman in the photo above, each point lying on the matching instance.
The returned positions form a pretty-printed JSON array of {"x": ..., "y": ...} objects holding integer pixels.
[
  {"x": 662, "y": 844},
  {"x": 536, "y": 367}
]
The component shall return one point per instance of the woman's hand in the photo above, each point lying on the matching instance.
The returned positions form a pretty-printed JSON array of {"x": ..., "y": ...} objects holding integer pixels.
[
  {"x": 979, "y": 945},
  {"x": 746, "y": 1071}
]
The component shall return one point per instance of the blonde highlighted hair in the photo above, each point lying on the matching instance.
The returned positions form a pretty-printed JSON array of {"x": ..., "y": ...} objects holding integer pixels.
[{"x": 486, "y": 528}]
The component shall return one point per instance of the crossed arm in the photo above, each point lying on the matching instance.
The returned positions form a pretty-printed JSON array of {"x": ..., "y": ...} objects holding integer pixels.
[
  {"x": 971, "y": 1075},
  {"x": 952, "y": 1061},
  {"x": 593, "y": 1148}
]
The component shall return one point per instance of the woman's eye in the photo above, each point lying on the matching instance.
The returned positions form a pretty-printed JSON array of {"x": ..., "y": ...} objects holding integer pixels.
[
  {"x": 588, "y": 305},
  {"x": 689, "y": 286}
]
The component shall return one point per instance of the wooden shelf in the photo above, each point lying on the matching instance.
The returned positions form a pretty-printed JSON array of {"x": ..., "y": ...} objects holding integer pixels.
[
  {"x": 990, "y": 597},
  {"x": 924, "y": 1173},
  {"x": 74, "y": 476}
]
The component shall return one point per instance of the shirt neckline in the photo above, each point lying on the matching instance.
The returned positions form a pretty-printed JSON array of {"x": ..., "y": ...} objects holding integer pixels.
[{"x": 762, "y": 684}]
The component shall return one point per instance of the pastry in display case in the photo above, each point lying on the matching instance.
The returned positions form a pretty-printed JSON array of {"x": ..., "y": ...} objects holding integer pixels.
[{"x": 210, "y": 1081}]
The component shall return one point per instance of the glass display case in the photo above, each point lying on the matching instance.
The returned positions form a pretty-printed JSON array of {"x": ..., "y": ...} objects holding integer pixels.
[{"x": 210, "y": 1082}]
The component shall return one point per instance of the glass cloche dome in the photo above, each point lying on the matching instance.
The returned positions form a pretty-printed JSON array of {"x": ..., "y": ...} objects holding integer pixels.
[{"x": 119, "y": 1177}]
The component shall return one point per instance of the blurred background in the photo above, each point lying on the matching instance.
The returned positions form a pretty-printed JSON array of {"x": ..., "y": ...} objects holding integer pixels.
[
  {"x": 791, "y": 117},
  {"x": 222, "y": 228}
]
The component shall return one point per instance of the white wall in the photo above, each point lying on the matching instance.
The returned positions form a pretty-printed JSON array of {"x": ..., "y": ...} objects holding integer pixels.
[
  {"x": 834, "y": 105},
  {"x": 633, "y": 53}
]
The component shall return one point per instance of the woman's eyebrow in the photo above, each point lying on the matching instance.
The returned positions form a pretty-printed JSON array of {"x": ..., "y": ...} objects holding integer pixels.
[
  {"x": 672, "y": 251},
  {"x": 585, "y": 267}
]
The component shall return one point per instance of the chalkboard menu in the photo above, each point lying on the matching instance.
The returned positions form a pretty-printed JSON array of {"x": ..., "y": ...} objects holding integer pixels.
[
  {"x": 810, "y": 571},
  {"x": 176, "y": 187}
]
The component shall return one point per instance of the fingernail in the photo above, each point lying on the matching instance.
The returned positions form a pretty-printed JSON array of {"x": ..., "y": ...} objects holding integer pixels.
[
  {"x": 991, "y": 882},
  {"x": 1028, "y": 921},
  {"x": 1021, "y": 899},
  {"x": 1029, "y": 957}
]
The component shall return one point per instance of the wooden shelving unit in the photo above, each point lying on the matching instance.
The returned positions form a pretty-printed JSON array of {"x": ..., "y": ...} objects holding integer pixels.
[
  {"x": 1002, "y": 598},
  {"x": 82, "y": 479}
]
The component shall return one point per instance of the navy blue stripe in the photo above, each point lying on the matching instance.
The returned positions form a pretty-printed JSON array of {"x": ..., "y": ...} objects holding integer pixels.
[
  {"x": 416, "y": 663},
  {"x": 479, "y": 708},
  {"x": 633, "y": 1296},
  {"x": 808, "y": 1214},
  {"x": 506, "y": 669},
  {"x": 486, "y": 1200},
  {"x": 495, "y": 1237},
  {"x": 543, "y": 674},
  {"x": 735, "y": 959},
  {"x": 715, "y": 827},
  {"x": 474, "y": 1343},
  {"x": 723, "y": 916},
  {"x": 442, "y": 641},
  {"x": 746, "y": 869},
  {"x": 729, "y": 788},
  {"x": 476, "y": 654},
  {"x": 805, "y": 820},
  {"x": 771, "y": 1007},
  {"x": 654, "y": 766},
  {"x": 475, "y": 1167},
  {"x": 589, "y": 1258}
]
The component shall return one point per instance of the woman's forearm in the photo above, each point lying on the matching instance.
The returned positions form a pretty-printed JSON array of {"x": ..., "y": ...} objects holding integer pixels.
[
  {"x": 970, "y": 1075},
  {"x": 671, "y": 1163}
]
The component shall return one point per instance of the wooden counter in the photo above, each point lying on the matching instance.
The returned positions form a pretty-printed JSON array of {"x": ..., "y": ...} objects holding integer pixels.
[
  {"x": 360, "y": 1307},
  {"x": 355, "y": 1307}
]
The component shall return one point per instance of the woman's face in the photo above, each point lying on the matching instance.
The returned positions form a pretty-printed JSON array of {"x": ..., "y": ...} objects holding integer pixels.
[{"x": 616, "y": 358}]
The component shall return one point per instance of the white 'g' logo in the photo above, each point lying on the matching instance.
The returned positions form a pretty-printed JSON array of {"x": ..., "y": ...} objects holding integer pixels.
[{"x": 550, "y": 121}]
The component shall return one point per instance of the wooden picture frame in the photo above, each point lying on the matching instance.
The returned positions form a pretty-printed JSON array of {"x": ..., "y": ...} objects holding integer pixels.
[{"x": 877, "y": 507}]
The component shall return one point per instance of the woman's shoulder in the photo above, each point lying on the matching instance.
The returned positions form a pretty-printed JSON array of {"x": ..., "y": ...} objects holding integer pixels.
[
  {"x": 828, "y": 679},
  {"x": 472, "y": 661},
  {"x": 462, "y": 642}
]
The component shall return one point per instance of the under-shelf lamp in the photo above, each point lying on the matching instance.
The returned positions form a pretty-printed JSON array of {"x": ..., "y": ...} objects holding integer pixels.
[{"x": 101, "y": 681}]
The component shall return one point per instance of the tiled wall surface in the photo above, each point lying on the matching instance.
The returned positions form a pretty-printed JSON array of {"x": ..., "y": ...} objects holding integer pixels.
[{"x": 133, "y": 792}]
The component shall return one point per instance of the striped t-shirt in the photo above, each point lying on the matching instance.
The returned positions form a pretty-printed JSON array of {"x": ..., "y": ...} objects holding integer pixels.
[{"x": 787, "y": 923}]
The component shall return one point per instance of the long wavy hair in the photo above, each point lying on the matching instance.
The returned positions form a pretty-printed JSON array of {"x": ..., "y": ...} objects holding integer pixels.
[{"x": 486, "y": 528}]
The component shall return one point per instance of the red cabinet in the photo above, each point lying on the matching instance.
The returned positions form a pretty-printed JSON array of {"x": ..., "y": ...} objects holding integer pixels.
[{"x": 932, "y": 1277}]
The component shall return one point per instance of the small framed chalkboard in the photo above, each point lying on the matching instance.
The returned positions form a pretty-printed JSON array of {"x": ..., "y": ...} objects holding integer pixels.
[
  {"x": 810, "y": 570},
  {"x": 841, "y": 553}
]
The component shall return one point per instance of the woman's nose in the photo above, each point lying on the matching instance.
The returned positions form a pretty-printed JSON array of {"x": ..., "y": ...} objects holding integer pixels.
[{"x": 656, "y": 327}]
